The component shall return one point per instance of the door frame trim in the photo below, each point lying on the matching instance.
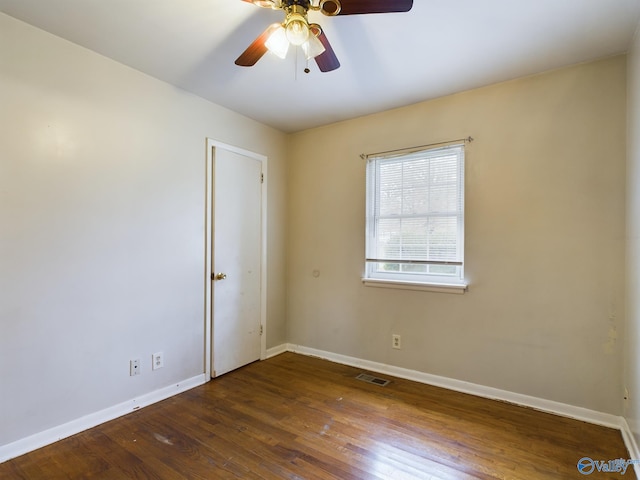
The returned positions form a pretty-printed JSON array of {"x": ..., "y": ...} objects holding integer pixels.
[{"x": 208, "y": 254}]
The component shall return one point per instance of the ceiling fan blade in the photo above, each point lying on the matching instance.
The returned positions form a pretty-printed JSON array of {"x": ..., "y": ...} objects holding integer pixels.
[
  {"x": 357, "y": 7},
  {"x": 257, "y": 49},
  {"x": 327, "y": 61}
]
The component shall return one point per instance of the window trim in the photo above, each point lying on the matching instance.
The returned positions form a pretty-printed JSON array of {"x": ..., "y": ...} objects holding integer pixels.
[
  {"x": 455, "y": 288},
  {"x": 426, "y": 282}
]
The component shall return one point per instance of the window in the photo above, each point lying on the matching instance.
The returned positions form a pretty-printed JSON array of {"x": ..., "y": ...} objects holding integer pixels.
[{"x": 415, "y": 217}]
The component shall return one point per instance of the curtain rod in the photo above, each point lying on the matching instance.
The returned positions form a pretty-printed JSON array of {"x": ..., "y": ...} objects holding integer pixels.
[{"x": 364, "y": 156}]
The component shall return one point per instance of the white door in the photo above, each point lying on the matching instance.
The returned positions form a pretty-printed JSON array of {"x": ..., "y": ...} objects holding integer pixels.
[{"x": 237, "y": 258}]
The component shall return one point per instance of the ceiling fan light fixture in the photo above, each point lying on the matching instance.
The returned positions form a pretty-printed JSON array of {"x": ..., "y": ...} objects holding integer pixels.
[
  {"x": 277, "y": 43},
  {"x": 297, "y": 29},
  {"x": 313, "y": 46},
  {"x": 274, "y": 4}
]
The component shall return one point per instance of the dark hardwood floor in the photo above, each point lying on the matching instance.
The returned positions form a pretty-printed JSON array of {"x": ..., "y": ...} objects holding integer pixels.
[{"x": 296, "y": 417}]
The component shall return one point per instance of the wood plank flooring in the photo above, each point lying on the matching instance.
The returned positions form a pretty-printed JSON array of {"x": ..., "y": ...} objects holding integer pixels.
[{"x": 297, "y": 417}]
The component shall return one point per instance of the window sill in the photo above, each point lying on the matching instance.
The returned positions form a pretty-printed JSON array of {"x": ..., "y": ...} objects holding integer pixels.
[{"x": 458, "y": 289}]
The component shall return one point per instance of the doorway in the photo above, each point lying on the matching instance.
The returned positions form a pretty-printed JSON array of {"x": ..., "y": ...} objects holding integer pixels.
[{"x": 235, "y": 289}]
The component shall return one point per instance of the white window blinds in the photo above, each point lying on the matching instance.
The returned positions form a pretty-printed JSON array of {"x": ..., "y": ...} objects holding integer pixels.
[{"x": 415, "y": 212}]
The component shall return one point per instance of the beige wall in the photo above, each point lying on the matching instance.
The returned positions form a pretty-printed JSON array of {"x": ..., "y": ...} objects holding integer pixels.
[
  {"x": 544, "y": 239},
  {"x": 102, "y": 209},
  {"x": 632, "y": 333}
]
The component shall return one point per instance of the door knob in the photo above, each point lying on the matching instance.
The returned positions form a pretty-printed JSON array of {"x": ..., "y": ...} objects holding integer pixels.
[{"x": 220, "y": 276}]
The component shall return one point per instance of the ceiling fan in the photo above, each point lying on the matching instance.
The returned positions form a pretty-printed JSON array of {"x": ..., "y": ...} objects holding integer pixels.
[{"x": 296, "y": 29}]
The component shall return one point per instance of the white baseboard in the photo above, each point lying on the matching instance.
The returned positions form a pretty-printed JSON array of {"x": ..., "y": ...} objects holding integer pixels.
[
  {"x": 549, "y": 406},
  {"x": 52, "y": 435},
  {"x": 629, "y": 439},
  {"x": 272, "y": 352},
  {"x": 47, "y": 437},
  {"x": 630, "y": 442}
]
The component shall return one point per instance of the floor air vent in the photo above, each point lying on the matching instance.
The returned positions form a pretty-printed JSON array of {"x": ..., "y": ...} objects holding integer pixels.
[{"x": 371, "y": 379}]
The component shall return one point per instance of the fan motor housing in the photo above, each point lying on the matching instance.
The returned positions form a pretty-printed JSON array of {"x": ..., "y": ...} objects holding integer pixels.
[
  {"x": 306, "y": 4},
  {"x": 327, "y": 7}
]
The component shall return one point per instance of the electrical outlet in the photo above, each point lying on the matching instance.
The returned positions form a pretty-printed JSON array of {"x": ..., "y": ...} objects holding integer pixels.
[
  {"x": 134, "y": 367},
  {"x": 396, "y": 341},
  {"x": 157, "y": 360}
]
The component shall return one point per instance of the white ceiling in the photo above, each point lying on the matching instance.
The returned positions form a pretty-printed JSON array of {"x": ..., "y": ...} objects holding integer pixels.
[{"x": 388, "y": 60}]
